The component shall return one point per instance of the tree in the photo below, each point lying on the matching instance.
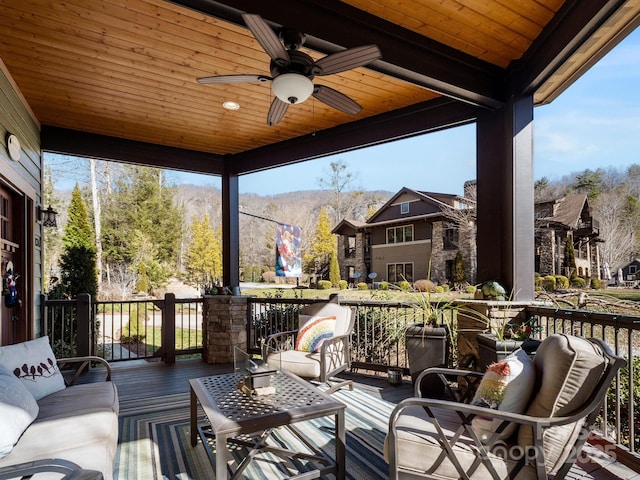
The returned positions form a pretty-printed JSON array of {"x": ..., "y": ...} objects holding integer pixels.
[
  {"x": 463, "y": 217},
  {"x": 142, "y": 224},
  {"x": 590, "y": 182},
  {"x": 458, "y": 274},
  {"x": 338, "y": 181},
  {"x": 570, "y": 258},
  {"x": 204, "y": 252},
  {"x": 78, "y": 260},
  {"x": 334, "y": 271},
  {"x": 322, "y": 246}
]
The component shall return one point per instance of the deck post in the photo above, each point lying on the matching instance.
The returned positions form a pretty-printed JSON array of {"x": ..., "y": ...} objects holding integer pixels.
[
  {"x": 169, "y": 328},
  {"x": 83, "y": 342}
]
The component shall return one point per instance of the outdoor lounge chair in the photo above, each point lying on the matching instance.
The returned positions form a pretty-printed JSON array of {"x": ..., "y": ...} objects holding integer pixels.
[
  {"x": 433, "y": 438},
  {"x": 319, "y": 349}
]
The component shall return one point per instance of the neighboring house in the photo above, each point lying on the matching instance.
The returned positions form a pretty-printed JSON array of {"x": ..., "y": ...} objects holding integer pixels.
[
  {"x": 414, "y": 236},
  {"x": 630, "y": 273},
  {"x": 410, "y": 237},
  {"x": 568, "y": 217}
]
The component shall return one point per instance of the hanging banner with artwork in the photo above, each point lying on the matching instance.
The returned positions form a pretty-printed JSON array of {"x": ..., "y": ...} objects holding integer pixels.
[{"x": 288, "y": 256}]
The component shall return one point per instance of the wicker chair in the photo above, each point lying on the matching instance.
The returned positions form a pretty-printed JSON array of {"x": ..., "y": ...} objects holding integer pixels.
[{"x": 435, "y": 438}]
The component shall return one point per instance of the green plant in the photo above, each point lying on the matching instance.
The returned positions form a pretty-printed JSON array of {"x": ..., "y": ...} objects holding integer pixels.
[
  {"x": 383, "y": 285},
  {"x": 363, "y": 286},
  {"x": 624, "y": 392},
  {"x": 133, "y": 331},
  {"x": 404, "y": 285},
  {"x": 578, "y": 282},
  {"x": 549, "y": 283},
  {"x": 342, "y": 284},
  {"x": 525, "y": 330},
  {"x": 439, "y": 289},
  {"x": 562, "y": 281},
  {"x": 324, "y": 284},
  {"x": 596, "y": 284},
  {"x": 471, "y": 289}
]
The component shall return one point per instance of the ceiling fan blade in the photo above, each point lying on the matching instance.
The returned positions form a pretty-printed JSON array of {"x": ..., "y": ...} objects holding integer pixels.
[
  {"x": 335, "y": 99},
  {"x": 346, "y": 60},
  {"x": 244, "y": 78},
  {"x": 276, "y": 111},
  {"x": 267, "y": 38}
]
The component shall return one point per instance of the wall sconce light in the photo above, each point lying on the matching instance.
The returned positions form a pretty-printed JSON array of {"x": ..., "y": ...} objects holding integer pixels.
[{"x": 48, "y": 216}]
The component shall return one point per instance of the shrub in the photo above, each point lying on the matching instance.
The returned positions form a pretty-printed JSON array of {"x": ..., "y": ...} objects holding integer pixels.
[
  {"x": 424, "y": 285},
  {"x": 383, "y": 285},
  {"x": 133, "y": 331},
  {"x": 324, "y": 284},
  {"x": 269, "y": 277},
  {"x": 439, "y": 289},
  {"x": 445, "y": 287},
  {"x": 470, "y": 289},
  {"x": 404, "y": 285},
  {"x": 562, "y": 281},
  {"x": 578, "y": 282},
  {"x": 549, "y": 283},
  {"x": 596, "y": 284},
  {"x": 342, "y": 284},
  {"x": 364, "y": 286}
]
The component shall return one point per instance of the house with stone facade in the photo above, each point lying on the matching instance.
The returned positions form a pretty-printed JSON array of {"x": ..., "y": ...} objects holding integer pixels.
[
  {"x": 416, "y": 235},
  {"x": 413, "y": 236},
  {"x": 558, "y": 220}
]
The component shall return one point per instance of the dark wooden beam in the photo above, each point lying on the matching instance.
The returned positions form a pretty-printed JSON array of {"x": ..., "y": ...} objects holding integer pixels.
[
  {"x": 82, "y": 144},
  {"x": 505, "y": 236},
  {"x": 415, "y": 120},
  {"x": 230, "y": 228},
  {"x": 575, "y": 23},
  {"x": 331, "y": 25}
]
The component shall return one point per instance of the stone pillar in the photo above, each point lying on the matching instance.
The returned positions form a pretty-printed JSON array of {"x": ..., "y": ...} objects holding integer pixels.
[{"x": 225, "y": 327}]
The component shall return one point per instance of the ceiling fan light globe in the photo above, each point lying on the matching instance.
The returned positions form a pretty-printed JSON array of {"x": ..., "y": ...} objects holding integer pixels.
[{"x": 292, "y": 87}]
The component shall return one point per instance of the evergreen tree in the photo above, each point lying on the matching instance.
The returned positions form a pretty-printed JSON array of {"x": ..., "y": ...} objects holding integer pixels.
[
  {"x": 141, "y": 224},
  {"x": 78, "y": 260},
  {"x": 334, "y": 271},
  {"x": 458, "y": 273},
  {"x": 570, "y": 258},
  {"x": 204, "y": 252}
]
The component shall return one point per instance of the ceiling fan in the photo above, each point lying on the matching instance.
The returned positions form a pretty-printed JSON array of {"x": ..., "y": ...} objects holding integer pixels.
[{"x": 292, "y": 71}]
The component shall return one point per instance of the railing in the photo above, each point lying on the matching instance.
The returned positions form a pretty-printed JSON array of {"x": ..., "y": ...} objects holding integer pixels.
[
  {"x": 124, "y": 330},
  {"x": 622, "y": 333}
]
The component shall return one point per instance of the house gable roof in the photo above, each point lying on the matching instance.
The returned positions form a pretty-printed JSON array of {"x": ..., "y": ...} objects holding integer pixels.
[{"x": 567, "y": 210}]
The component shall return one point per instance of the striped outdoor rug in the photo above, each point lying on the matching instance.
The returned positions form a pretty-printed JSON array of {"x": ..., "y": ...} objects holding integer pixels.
[{"x": 154, "y": 441}]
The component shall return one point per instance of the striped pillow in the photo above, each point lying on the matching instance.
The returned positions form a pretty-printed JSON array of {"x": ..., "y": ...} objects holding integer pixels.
[{"x": 314, "y": 332}]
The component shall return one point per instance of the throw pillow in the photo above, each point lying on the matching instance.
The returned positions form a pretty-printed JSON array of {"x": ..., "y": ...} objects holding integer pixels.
[
  {"x": 507, "y": 385},
  {"x": 18, "y": 409},
  {"x": 314, "y": 333},
  {"x": 34, "y": 363}
]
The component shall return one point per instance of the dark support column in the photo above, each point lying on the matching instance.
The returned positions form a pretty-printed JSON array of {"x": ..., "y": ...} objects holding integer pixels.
[
  {"x": 230, "y": 227},
  {"x": 505, "y": 197},
  {"x": 169, "y": 328},
  {"x": 83, "y": 344}
]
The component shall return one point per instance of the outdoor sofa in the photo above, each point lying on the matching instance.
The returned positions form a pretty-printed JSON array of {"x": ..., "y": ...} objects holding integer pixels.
[{"x": 58, "y": 426}]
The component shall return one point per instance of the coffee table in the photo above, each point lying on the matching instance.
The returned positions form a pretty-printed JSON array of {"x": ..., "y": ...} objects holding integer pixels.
[{"x": 231, "y": 413}]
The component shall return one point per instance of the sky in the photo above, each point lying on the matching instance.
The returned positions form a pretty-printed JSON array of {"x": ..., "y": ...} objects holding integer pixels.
[{"x": 594, "y": 124}]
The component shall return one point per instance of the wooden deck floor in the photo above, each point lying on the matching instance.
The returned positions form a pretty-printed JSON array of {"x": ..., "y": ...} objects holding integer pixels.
[{"x": 141, "y": 379}]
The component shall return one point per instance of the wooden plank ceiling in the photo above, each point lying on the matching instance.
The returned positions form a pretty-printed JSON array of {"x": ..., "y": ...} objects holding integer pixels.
[{"x": 127, "y": 68}]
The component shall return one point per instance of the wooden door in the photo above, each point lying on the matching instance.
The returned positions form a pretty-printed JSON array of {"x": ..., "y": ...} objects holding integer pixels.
[{"x": 9, "y": 252}]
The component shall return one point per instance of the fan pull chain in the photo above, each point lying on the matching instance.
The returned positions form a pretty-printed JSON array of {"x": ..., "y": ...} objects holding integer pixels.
[{"x": 313, "y": 116}]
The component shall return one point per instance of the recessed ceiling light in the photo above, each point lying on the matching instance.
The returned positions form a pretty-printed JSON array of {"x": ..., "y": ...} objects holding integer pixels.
[{"x": 231, "y": 105}]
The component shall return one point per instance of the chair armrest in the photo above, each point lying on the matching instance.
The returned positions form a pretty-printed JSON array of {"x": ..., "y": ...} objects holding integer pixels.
[
  {"x": 274, "y": 340},
  {"x": 84, "y": 364},
  {"x": 473, "y": 378},
  {"x": 70, "y": 470}
]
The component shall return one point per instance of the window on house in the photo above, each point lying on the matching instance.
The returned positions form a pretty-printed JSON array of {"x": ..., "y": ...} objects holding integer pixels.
[
  {"x": 350, "y": 247},
  {"x": 450, "y": 237},
  {"x": 404, "y": 207},
  {"x": 400, "y": 234},
  {"x": 632, "y": 269},
  {"x": 397, "y": 272}
]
